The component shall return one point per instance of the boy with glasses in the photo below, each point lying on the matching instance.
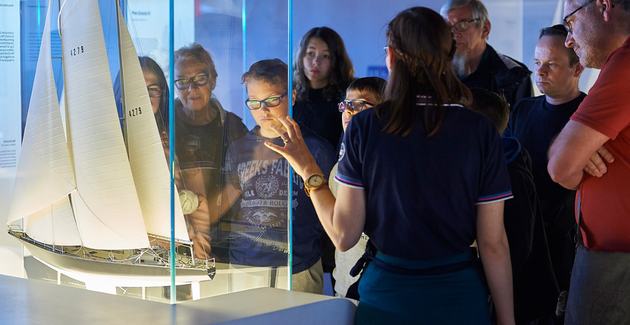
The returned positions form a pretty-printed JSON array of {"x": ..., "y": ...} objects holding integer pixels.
[
  {"x": 258, "y": 176},
  {"x": 362, "y": 93}
]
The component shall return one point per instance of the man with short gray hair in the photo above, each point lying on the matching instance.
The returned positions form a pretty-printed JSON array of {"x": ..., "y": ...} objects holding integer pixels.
[
  {"x": 476, "y": 63},
  {"x": 599, "y": 33}
]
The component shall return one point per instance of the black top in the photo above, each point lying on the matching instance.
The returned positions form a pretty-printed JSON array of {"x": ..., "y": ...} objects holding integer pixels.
[
  {"x": 502, "y": 75},
  {"x": 535, "y": 287},
  {"x": 320, "y": 115},
  {"x": 535, "y": 123},
  {"x": 421, "y": 191}
]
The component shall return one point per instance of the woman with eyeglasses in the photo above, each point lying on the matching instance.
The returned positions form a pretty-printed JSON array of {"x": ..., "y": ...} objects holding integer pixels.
[
  {"x": 423, "y": 177},
  {"x": 203, "y": 131}
]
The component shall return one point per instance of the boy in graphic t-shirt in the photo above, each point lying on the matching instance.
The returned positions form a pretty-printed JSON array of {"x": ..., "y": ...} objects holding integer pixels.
[{"x": 259, "y": 176}]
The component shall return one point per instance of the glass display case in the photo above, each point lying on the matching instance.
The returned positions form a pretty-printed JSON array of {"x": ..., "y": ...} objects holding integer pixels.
[
  {"x": 98, "y": 140},
  {"x": 121, "y": 119}
]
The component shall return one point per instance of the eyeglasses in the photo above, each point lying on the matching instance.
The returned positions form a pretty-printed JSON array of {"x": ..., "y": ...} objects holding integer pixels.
[
  {"x": 569, "y": 24},
  {"x": 354, "y": 106},
  {"x": 198, "y": 80},
  {"x": 269, "y": 102},
  {"x": 463, "y": 26},
  {"x": 154, "y": 92}
]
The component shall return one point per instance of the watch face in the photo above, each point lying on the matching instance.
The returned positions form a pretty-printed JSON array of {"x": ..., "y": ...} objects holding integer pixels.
[{"x": 315, "y": 180}]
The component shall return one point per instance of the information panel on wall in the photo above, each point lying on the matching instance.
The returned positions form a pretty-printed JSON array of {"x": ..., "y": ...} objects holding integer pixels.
[
  {"x": 148, "y": 23},
  {"x": 10, "y": 99}
]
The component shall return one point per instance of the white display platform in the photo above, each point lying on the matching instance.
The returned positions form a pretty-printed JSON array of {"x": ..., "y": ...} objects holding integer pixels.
[{"x": 33, "y": 302}]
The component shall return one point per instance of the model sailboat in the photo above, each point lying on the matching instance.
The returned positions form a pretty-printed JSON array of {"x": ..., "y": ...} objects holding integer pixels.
[{"x": 91, "y": 203}]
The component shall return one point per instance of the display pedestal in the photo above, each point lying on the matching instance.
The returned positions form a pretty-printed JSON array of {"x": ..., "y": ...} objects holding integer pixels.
[{"x": 33, "y": 302}]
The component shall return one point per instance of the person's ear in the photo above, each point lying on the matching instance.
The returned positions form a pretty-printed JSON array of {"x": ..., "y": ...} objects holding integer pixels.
[
  {"x": 389, "y": 60},
  {"x": 485, "y": 29},
  {"x": 578, "y": 69},
  {"x": 212, "y": 82},
  {"x": 606, "y": 6},
  {"x": 293, "y": 97}
]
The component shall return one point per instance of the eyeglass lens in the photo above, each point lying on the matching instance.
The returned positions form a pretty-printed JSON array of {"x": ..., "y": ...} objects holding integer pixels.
[
  {"x": 200, "y": 80},
  {"x": 352, "y": 106},
  {"x": 269, "y": 102}
]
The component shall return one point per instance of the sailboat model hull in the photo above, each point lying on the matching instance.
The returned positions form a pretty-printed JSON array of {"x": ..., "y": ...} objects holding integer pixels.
[{"x": 132, "y": 268}]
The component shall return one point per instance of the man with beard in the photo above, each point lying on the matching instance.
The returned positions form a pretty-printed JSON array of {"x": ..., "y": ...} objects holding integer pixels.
[
  {"x": 599, "y": 33},
  {"x": 476, "y": 63}
]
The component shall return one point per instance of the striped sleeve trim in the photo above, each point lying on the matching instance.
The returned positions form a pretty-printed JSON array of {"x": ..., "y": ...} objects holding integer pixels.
[
  {"x": 348, "y": 181},
  {"x": 495, "y": 197}
]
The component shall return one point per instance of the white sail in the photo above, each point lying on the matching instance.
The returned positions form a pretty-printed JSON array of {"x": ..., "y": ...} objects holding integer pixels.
[
  {"x": 146, "y": 154},
  {"x": 54, "y": 225},
  {"x": 44, "y": 173},
  {"x": 102, "y": 171}
]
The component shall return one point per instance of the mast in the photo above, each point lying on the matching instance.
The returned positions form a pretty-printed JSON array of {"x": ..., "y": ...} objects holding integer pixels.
[{"x": 121, "y": 74}]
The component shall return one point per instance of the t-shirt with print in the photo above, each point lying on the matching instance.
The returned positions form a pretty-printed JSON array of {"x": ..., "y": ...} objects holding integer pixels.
[
  {"x": 421, "y": 191},
  {"x": 260, "y": 227},
  {"x": 605, "y": 204}
]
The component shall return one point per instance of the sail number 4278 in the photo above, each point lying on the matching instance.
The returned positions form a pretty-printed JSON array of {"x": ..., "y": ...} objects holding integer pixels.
[{"x": 135, "y": 111}]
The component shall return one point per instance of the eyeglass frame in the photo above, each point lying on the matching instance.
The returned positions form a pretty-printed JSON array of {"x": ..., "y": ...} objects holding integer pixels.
[
  {"x": 467, "y": 24},
  {"x": 156, "y": 87},
  {"x": 567, "y": 25},
  {"x": 265, "y": 101},
  {"x": 352, "y": 110},
  {"x": 191, "y": 81}
]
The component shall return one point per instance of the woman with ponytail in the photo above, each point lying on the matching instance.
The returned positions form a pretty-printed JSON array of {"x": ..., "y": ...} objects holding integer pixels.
[{"x": 423, "y": 177}]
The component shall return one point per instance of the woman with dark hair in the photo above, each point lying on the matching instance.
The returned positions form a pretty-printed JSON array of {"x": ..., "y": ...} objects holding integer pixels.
[
  {"x": 423, "y": 177},
  {"x": 322, "y": 71},
  {"x": 158, "y": 91}
]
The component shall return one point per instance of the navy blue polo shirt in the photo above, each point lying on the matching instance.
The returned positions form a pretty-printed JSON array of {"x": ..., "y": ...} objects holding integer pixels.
[{"x": 421, "y": 192}]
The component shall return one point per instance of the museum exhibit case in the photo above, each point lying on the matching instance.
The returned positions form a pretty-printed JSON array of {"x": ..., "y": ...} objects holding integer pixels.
[
  {"x": 115, "y": 126},
  {"x": 105, "y": 157}
]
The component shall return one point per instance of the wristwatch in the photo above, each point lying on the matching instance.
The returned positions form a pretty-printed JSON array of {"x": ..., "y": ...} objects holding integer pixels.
[{"x": 314, "y": 182}]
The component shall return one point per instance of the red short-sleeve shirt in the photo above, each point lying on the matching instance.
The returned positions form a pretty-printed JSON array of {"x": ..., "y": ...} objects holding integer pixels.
[{"x": 606, "y": 200}]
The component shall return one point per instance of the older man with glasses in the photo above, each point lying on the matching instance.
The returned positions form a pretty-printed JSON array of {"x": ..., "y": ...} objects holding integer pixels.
[
  {"x": 476, "y": 63},
  {"x": 597, "y": 140}
]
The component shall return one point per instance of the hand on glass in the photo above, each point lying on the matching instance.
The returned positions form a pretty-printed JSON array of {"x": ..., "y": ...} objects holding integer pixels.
[
  {"x": 596, "y": 166},
  {"x": 294, "y": 150}
]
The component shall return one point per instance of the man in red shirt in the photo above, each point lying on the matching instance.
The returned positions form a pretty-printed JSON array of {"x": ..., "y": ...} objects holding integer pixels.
[{"x": 599, "y": 33}]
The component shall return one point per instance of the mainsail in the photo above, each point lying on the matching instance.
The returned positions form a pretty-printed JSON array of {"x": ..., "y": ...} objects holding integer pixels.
[
  {"x": 146, "y": 154},
  {"x": 111, "y": 216},
  {"x": 44, "y": 174}
]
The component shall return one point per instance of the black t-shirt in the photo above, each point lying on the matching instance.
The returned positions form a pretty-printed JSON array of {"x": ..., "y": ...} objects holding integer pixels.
[
  {"x": 535, "y": 123},
  {"x": 320, "y": 115},
  {"x": 421, "y": 192}
]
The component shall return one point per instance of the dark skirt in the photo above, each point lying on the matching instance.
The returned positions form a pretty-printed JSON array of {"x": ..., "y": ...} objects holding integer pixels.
[{"x": 453, "y": 298}]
